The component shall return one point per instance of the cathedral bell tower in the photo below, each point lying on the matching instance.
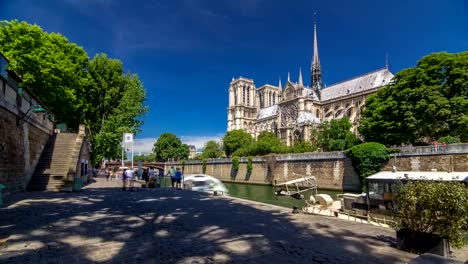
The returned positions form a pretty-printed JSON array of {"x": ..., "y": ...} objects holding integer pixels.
[{"x": 316, "y": 71}]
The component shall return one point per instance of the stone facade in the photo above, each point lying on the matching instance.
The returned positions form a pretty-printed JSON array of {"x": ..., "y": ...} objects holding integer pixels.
[
  {"x": 23, "y": 133},
  {"x": 292, "y": 111}
]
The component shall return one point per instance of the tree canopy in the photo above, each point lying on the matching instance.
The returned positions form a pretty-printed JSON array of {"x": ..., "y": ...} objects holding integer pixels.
[
  {"x": 422, "y": 104},
  {"x": 212, "y": 150},
  {"x": 114, "y": 104},
  {"x": 236, "y": 139},
  {"x": 334, "y": 135},
  {"x": 169, "y": 147},
  {"x": 76, "y": 89},
  {"x": 49, "y": 65}
]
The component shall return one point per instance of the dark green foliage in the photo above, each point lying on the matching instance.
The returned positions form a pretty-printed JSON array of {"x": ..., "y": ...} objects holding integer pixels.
[
  {"x": 169, "y": 147},
  {"x": 423, "y": 104},
  {"x": 204, "y": 165},
  {"x": 235, "y": 163},
  {"x": 303, "y": 147},
  {"x": 113, "y": 105},
  {"x": 77, "y": 90},
  {"x": 440, "y": 208},
  {"x": 236, "y": 139},
  {"x": 147, "y": 158},
  {"x": 51, "y": 67},
  {"x": 249, "y": 164},
  {"x": 333, "y": 135},
  {"x": 267, "y": 143},
  {"x": 368, "y": 158},
  {"x": 449, "y": 140},
  {"x": 212, "y": 150}
]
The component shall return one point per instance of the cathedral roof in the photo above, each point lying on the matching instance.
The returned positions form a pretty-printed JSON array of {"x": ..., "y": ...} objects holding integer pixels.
[
  {"x": 268, "y": 112},
  {"x": 307, "y": 117},
  {"x": 359, "y": 84}
]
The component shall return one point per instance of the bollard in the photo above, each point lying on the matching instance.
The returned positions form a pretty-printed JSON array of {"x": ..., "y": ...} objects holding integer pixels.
[
  {"x": 1, "y": 199},
  {"x": 77, "y": 184}
]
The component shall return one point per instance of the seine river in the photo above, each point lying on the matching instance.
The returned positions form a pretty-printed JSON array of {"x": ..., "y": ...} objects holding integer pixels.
[{"x": 265, "y": 194}]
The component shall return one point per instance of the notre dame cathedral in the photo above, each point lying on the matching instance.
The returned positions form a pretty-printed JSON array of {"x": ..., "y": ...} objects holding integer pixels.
[{"x": 291, "y": 111}]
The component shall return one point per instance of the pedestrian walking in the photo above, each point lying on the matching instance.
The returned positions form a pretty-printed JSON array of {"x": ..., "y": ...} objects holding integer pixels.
[
  {"x": 178, "y": 178},
  {"x": 108, "y": 174},
  {"x": 128, "y": 179},
  {"x": 172, "y": 174}
]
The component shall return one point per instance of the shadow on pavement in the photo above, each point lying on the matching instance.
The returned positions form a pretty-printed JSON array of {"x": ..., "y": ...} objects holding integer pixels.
[{"x": 107, "y": 225}]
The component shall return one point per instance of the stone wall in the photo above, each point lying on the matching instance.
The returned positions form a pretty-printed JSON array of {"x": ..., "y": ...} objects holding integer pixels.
[
  {"x": 333, "y": 170},
  {"x": 23, "y": 135},
  {"x": 449, "y": 158}
]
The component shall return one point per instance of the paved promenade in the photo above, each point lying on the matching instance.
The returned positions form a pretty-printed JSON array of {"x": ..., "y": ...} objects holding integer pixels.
[{"x": 102, "y": 224}]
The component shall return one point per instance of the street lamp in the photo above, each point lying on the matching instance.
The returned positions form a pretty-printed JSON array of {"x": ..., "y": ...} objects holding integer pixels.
[{"x": 32, "y": 109}]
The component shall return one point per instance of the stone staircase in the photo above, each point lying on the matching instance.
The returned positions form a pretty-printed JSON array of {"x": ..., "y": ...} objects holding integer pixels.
[{"x": 54, "y": 164}]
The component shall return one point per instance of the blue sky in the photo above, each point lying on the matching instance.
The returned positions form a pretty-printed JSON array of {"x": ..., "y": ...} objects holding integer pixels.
[{"x": 187, "y": 51}]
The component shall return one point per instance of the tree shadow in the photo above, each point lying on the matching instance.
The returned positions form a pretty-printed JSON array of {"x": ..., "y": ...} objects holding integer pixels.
[{"x": 106, "y": 225}]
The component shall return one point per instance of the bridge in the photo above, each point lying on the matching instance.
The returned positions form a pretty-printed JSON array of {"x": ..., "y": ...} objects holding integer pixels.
[{"x": 154, "y": 165}]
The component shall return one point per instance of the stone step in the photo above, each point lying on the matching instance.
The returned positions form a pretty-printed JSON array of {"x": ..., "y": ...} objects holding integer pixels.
[{"x": 53, "y": 188}]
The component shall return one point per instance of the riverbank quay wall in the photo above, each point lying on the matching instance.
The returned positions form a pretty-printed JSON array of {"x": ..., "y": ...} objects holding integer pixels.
[
  {"x": 23, "y": 133},
  {"x": 333, "y": 170},
  {"x": 449, "y": 158}
]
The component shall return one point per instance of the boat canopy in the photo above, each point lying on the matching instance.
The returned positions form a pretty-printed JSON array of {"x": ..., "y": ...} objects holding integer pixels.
[{"x": 418, "y": 175}]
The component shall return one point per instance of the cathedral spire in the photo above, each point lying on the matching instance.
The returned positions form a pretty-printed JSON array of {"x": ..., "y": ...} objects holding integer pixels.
[
  {"x": 279, "y": 84},
  {"x": 301, "y": 83},
  {"x": 316, "y": 71},
  {"x": 289, "y": 78}
]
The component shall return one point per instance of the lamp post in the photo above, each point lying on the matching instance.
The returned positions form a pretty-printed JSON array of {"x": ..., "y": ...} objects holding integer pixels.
[{"x": 32, "y": 109}]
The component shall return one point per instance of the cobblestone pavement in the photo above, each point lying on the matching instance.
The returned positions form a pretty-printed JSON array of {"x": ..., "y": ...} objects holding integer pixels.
[{"x": 103, "y": 224}]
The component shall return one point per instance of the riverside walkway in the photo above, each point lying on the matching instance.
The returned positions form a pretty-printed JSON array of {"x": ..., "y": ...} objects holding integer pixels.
[{"x": 103, "y": 224}]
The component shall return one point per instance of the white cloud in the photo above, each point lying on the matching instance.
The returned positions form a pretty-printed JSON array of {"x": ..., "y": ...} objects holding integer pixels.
[{"x": 145, "y": 145}]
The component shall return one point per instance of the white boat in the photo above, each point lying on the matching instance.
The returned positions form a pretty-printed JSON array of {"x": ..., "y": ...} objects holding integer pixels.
[{"x": 204, "y": 183}]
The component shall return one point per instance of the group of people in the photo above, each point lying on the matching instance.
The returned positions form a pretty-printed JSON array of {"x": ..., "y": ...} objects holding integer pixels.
[
  {"x": 176, "y": 177},
  {"x": 150, "y": 176}
]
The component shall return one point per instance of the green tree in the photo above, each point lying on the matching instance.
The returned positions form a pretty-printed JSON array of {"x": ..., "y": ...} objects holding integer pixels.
[
  {"x": 439, "y": 208},
  {"x": 212, "y": 150},
  {"x": 97, "y": 93},
  {"x": 169, "y": 147},
  {"x": 236, "y": 139},
  {"x": 368, "y": 158},
  {"x": 303, "y": 146},
  {"x": 53, "y": 68},
  {"x": 422, "y": 104},
  {"x": 114, "y": 104},
  {"x": 145, "y": 157},
  {"x": 267, "y": 143},
  {"x": 334, "y": 135}
]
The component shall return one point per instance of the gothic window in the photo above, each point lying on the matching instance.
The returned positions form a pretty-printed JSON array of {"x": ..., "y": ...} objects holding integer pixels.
[
  {"x": 243, "y": 94},
  {"x": 289, "y": 114},
  {"x": 338, "y": 113},
  {"x": 317, "y": 113},
  {"x": 248, "y": 95},
  {"x": 274, "y": 99},
  {"x": 235, "y": 97},
  {"x": 297, "y": 136}
]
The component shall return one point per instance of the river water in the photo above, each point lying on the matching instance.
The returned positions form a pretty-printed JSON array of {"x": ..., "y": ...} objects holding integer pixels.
[{"x": 265, "y": 194}]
